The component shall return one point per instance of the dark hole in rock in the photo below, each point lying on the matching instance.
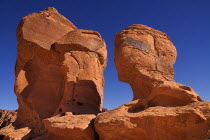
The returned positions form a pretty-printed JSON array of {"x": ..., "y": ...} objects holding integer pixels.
[
  {"x": 136, "y": 109},
  {"x": 185, "y": 88},
  {"x": 151, "y": 104},
  {"x": 63, "y": 114},
  {"x": 73, "y": 100},
  {"x": 76, "y": 113},
  {"x": 53, "y": 47},
  {"x": 162, "y": 53},
  {"x": 1, "y": 137},
  {"x": 60, "y": 110},
  {"x": 79, "y": 103}
]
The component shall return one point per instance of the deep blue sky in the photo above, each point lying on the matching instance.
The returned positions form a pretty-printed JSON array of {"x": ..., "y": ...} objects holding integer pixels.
[{"x": 187, "y": 22}]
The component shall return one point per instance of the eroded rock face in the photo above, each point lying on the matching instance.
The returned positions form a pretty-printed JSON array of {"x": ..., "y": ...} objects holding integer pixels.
[
  {"x": 85, "y": 56},
  {"x": 12, "y": 133},
  {"x": 7, "y": 117},
  {"x": 144, "y": 58},
  {"x": 8, "y": 130},
  {"x": 135, "y": 121},
  {"x": 59, "y": 68}
]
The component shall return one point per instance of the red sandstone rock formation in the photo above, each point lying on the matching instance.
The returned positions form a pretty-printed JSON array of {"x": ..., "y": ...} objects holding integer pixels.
[
  {"x": 144, "y": 58},
  {"x": 59, "y": 85},
  {"x": 59, "y": 68},
  {"x": 162, "y": 109},
  {"x": 132, "y": 122}
]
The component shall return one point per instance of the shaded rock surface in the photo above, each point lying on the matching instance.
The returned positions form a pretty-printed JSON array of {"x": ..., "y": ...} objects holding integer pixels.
[
  {"x": 85, "y": 56},
  {"x": 59, "y": 69},
  {"x": 144, "y": 58},
  {"x": 132, "y": 121}
]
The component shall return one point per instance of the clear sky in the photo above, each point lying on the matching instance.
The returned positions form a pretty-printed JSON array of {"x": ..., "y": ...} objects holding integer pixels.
[{"x": 187, "y": 22}]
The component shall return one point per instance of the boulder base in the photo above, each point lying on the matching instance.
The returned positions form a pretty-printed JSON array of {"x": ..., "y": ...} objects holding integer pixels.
[
  {"x": 67, "y": 126},
  {"x": 133, "y": 121}
]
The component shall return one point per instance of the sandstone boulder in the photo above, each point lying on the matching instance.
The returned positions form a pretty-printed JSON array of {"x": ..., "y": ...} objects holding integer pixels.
[
  {"x": 67, "y": 126},
  {"x": 144, "y": 58},
  {"x": 134, "y": 121},
  {"x": 59, "y": 68}
]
